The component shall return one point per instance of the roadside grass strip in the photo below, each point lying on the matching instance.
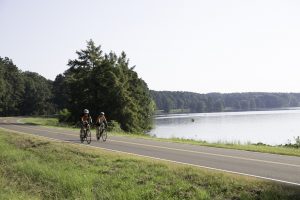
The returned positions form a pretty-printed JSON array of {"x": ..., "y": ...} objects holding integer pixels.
[{"x": 36, "y": 168}]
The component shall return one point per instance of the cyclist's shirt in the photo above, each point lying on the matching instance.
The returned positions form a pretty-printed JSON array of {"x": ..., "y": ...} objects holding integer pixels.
[
  {"x": 86, "y": 118},
  {"x": 101, "y": 119}
]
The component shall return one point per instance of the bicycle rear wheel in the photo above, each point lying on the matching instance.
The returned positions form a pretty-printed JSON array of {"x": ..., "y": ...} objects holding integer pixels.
[{"x": 88, "y": 136}]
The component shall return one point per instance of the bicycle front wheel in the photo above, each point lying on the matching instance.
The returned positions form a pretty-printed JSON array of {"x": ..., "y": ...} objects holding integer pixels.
[{"x": 104, "y": 135}]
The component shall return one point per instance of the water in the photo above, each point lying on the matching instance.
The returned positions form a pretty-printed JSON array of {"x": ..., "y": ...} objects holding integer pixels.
[{"x": 269, "y": 127}]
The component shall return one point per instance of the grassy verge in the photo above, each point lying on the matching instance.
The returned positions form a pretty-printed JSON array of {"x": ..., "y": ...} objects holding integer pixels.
[
  {"x": 43, "y": 121},
  {"x": 283, "y": 150},
  {"x": 33, "y": 168}
]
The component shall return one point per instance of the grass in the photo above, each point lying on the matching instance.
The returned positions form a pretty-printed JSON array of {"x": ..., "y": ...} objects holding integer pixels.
[
  {"x": 282, "y": 150},
  {"x": 34, "y": 168},
  {"x": 43, "y": 121}
]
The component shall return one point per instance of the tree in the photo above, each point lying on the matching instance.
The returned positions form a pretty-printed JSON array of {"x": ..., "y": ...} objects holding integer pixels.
[
  {"x": 12, "y": 88},
  {"x": 23, "y": 93},
  {"x": 105, "y": 82},
  {"x": 37, "y": 95},
  {"x": 60, "y": 92},
  {"x": 245, "y": 104},
  {"x": 218, "y": 106}
]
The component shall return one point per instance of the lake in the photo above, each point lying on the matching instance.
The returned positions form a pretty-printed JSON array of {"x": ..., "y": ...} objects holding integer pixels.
[{"x": 269, "y": 127}]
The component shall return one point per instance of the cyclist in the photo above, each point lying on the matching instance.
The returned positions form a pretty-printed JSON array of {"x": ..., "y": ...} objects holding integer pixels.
[
  {"x": 85, "y": 119},
  {"x": 101, "y": 119}
]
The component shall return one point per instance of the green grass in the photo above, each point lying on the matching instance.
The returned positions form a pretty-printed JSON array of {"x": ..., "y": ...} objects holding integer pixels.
[
  {"x": 282, "y": 150},
  {"x": 34, "y": 168},
  {"x": 43, "y": 121},
  {"x": 247, "y": 147}
]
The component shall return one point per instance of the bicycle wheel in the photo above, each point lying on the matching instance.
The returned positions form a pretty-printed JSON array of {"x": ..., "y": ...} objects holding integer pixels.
[
  {"x": 88, "y": 136},
  {"x": 104, "y": 135}
]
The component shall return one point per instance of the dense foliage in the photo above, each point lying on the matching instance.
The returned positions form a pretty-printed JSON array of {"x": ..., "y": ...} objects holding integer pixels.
[
  {"x": 23, "y": 93},
  {"x": 217, "y": 102},
  {"x": 104, "y": 82}
]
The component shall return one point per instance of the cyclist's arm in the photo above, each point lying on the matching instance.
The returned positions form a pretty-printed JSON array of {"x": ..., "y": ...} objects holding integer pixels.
[{"x": 84, "y": 120}]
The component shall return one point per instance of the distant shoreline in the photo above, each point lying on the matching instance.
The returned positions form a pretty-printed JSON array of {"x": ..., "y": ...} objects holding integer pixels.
[{"x": 227, "y": 111}]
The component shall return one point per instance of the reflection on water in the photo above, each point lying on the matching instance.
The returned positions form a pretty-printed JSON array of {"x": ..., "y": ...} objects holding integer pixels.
[{"x": 269, "y": 127}]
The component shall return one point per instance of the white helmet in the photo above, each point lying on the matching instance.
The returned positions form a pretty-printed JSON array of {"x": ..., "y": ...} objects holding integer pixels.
[
  {"x": 86, "y": 111},
  {"x": 102, "y": 113}
]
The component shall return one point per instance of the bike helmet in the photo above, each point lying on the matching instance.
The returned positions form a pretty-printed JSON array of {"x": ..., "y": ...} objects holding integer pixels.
[
  {"x": 86, "y": 111},
  {"x": 102, "y": 113}
]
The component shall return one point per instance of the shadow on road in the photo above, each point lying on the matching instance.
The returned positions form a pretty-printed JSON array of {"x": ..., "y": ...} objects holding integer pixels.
[{"x": 18, "y": 124}]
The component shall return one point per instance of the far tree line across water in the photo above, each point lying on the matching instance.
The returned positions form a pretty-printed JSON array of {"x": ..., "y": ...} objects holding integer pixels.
[
  {"x": 105, "y": 82},
  {"x": 168, "y": 101}
]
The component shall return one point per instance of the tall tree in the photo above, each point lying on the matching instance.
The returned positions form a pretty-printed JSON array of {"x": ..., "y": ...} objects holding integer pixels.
[
  {"x": 60, "y": 92},
  {"x": 105, "y": 82},
  {"x": 12, "y": 88}
]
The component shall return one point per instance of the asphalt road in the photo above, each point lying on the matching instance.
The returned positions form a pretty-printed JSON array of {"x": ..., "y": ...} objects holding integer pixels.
[{"x": 285, "y": 169}]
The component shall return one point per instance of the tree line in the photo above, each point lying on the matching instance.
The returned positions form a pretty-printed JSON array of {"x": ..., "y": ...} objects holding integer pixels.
[
  {"x": 23, "y": 93},
  {"x": 95, "y": 80},
  {"x": 106, "y": 82},
  {"x": 218, "y": 102}
]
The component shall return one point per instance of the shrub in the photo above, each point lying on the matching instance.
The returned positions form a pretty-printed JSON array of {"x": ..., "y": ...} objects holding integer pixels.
[
  {"x": 64, "y": 115},
  {"x": 114, "y": 126},
  {"x": 297, "y": 141}
]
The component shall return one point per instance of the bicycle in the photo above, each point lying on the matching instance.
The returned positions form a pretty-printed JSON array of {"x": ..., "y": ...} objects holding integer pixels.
[
  {"x": 101, "y": 132},
  {"x": 85, "y": 133}
]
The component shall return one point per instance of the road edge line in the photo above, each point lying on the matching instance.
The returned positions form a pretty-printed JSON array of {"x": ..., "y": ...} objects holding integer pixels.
[{"x": 161, "y": 159}]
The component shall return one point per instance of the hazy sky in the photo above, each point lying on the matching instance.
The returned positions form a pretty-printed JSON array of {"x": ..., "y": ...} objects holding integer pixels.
[{"x": 200, "y": 45}]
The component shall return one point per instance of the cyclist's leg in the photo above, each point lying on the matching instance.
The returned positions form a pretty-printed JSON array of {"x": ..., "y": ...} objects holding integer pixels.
[
  {"x": 84, "y": 126},
  {"x": 99, "y": 130},
  {"x": 81, "y": 130}
]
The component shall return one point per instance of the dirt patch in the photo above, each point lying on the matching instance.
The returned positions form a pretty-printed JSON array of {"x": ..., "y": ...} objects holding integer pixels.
[{"x": 28, "y": 143}]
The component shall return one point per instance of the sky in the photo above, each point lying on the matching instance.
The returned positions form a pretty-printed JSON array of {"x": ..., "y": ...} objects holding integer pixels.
[{"x": 177, "y": 45}]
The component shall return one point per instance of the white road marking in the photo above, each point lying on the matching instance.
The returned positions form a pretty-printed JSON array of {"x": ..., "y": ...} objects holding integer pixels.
[
  {"x": 161, "y": 159},
  {"x": 182, "y": 150}
]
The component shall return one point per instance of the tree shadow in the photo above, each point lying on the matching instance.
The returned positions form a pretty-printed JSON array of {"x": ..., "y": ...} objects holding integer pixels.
[{"x": 18, "y": 124}]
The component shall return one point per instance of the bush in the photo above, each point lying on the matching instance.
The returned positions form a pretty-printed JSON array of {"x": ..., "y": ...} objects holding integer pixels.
[
  {"x": 114, "y": 126},
  {"x": 297, "y": 141},
  {"x": 64, "y": 115},
  {"x": 293, "y": 145}
]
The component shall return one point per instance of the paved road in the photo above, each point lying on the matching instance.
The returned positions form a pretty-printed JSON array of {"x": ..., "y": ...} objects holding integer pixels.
[{"x": 278, "y": 168}]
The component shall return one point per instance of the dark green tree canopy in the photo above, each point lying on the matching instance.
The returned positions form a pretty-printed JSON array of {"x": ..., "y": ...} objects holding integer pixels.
[
  {"x": 11, "y": 88},
  {"x": 23, "y": 93},
  {"x": 105, "y": 82},
  {"x": 37, "y": 99}
]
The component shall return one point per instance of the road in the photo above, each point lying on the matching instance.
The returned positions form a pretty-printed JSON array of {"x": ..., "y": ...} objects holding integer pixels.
[{"x": 285, "y": 169}]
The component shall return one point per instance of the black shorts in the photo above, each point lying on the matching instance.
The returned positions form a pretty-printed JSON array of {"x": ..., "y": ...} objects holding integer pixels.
[{"x": 99, "y": 124}]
